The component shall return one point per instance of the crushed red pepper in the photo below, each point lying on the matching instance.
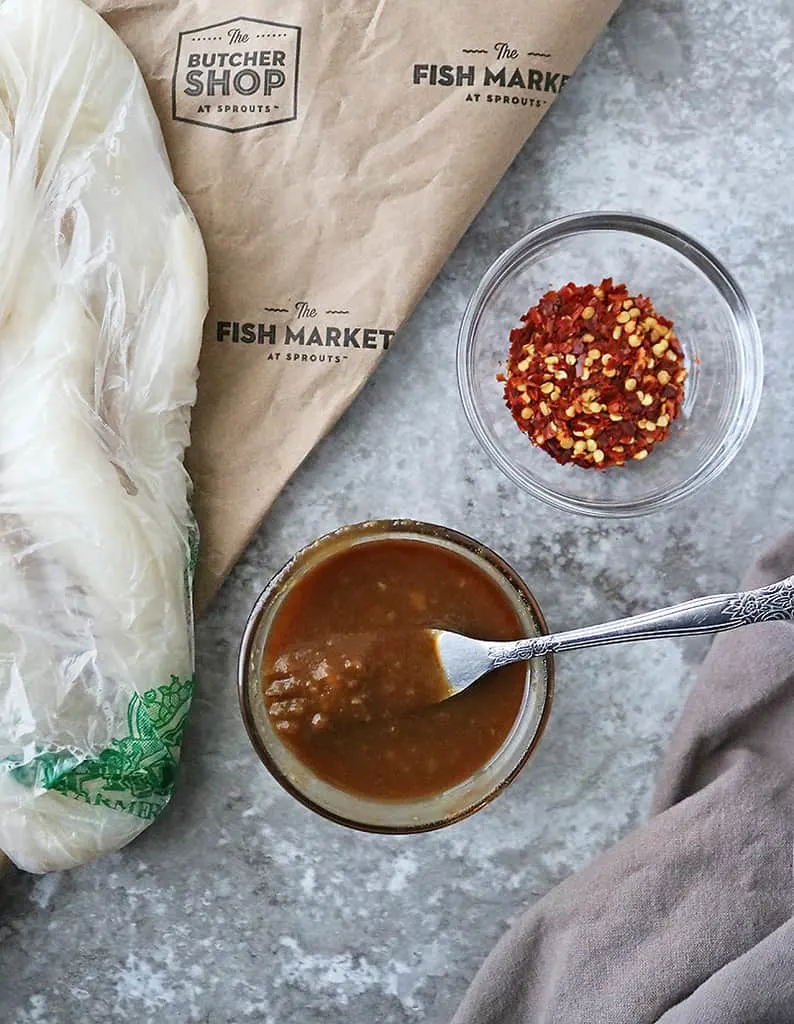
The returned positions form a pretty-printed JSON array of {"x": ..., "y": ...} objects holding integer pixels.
[{"x": 595, "y": 375}]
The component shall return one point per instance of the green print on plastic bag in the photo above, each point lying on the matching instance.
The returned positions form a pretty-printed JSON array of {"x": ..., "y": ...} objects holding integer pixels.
[{"x": 135, "y": 774}]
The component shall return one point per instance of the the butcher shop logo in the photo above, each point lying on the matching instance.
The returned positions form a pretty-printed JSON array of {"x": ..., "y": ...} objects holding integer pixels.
[{"x": 237, "y": 75}]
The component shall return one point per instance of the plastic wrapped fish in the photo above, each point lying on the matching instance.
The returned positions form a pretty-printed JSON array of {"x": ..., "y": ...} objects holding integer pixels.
[{"x": 103, "y": 290}]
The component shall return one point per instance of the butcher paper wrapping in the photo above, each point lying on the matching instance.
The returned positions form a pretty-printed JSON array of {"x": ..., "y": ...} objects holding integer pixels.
[
  {"x": 103, "y": 290},
  {"x": 333, "y": 153}
]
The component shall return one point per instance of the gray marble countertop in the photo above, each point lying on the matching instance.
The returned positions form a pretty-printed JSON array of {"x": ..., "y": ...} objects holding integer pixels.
[{"x": 240, "y": 905}]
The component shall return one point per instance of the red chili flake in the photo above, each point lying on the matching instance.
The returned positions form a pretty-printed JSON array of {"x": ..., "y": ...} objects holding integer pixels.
[{"x": 595, "y": 376}]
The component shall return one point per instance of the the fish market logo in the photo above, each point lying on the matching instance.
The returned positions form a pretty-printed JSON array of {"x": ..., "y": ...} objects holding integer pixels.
[{"x": 237, "y": 75}]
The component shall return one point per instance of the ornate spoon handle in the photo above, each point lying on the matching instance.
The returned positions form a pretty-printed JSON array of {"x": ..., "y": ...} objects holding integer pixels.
[{"x": 704, "y": 615}]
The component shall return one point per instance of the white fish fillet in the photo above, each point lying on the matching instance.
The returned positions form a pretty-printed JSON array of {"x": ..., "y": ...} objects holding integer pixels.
[{"x": 103, "y": 290}]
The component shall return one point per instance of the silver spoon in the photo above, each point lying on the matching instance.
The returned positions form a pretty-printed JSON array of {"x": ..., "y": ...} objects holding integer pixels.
[{"x": 465, "y": 660}]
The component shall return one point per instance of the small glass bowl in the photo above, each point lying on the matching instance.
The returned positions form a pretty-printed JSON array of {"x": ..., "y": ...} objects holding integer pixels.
[
  {"x": 686, "y": 283},
  {"x": 393, "y": 816}
]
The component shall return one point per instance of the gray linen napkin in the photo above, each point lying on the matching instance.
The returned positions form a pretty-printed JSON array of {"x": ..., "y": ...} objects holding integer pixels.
[{"x": 689, "y": 919}]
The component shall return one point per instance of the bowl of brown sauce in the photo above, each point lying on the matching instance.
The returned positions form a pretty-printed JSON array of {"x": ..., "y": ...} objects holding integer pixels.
[{"x": 340, "y": 688}]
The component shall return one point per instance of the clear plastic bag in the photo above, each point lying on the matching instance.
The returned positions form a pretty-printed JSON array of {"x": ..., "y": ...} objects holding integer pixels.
[{"x": 103, "y": 290}]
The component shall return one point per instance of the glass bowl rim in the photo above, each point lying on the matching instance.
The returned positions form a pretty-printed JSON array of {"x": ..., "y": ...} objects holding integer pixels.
[
  {"x": 745, "y": 333},
  {"x": 466, "y": 545}
]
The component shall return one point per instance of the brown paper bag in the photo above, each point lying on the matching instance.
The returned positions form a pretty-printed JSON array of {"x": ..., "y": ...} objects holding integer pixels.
[{"x": 333, "y": 153}]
